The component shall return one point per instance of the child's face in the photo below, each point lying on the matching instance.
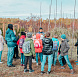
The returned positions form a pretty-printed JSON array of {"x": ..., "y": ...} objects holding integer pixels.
[
  {"x": 62, "y": 39},
  {"x": 41, "y": 30}
]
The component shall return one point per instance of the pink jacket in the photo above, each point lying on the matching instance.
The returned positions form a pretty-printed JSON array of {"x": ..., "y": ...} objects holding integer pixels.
[{"x": 38, "y": 50}]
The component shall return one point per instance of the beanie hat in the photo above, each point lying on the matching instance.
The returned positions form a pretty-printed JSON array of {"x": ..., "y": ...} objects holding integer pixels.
[
  {"x": 10, "y": 26},
  {"x": 23, "y": 33},
  {"x": 40, "y": 28},
  {"x": 29, "y": 35},
  {"x": 63, "y": 36}
]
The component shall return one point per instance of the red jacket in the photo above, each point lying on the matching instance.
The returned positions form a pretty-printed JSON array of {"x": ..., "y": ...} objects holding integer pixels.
[
  {"x": 22, "y": 37},
  {"x": 38, "y": 50}
]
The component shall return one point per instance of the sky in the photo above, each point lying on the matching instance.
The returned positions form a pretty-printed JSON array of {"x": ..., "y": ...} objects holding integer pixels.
[{"x": 23, "y": 8}]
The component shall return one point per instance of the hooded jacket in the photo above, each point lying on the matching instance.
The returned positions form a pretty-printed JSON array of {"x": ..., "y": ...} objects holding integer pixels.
[
  {"x": 1, "y": 41},
  {"x": 55, "y": 39},
  {"x": 64, "y": 48},
  {"x": 10, "y": 38},
  {"x": 38, "y": 50},
  {"x": 47, "y": 46},
  {"x": 22, "y": 37},
  {"x": 32, "y": 52}
]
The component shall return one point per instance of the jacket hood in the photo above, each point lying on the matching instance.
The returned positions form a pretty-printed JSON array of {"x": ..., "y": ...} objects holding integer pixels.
[
  {"x": 38, "y": 36},
  {"x": 0, "y": 32},
  {"x": 8, "y": 30},
  {"x": 54, "y": 39},
  {"x": 23, "y": 36},
  {"x": 28, "y": 39}
]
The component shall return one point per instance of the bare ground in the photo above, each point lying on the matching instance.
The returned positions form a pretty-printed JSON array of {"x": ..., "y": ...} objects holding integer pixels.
[{"x": 18, "y": 71}]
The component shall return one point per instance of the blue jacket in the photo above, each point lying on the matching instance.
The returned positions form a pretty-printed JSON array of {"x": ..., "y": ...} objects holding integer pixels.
[
  {"x": 41, "y": 32},
  {"x": 10, "y": 38},
  {"x": 55, "y": 39}
]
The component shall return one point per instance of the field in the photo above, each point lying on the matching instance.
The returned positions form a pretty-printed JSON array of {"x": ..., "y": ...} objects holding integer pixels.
[{"x": 18, "y": 71}]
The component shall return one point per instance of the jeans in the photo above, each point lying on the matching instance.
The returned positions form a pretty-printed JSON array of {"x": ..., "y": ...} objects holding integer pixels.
[
  {"x": 49, "y": 62},
  {"x": 30, "y": 62},
  {"x": 40, "y": 55},
  {"x": 10, "y": 55},
  {"x": 0, "y": 55},
  {"x": 54, "y": 57},
  {"x": 22, "y": 58},
  {"x": 67, "y": 61}
]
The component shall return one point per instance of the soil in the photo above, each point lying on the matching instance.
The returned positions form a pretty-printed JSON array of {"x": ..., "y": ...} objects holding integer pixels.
[{"x": 18, "y": 71}]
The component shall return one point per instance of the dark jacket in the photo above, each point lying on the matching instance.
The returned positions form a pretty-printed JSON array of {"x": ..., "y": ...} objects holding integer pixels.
[
  {"x": 10, "y": 38},
  {"x": 64, "y": 48},
  {"x": 47, "y": 46}
]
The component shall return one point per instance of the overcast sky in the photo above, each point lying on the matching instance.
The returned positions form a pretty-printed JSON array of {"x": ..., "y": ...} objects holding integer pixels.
[{"x": 23, "y": 8}]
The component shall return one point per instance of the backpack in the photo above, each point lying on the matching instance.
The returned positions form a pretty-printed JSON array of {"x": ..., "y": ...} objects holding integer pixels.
[
  {"x": 21, "y": 43},
  {"x": 26, "y": 47},
  {"x": 55, "y": 46},
  {"x": 37, "y": 44}
]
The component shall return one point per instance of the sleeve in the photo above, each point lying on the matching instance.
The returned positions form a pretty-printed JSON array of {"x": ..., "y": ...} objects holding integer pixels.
[
  {"x": 32, "y": 48},
  {"x": 42, "y": 42},
  {"x": 18, "y": 42},
  {"x": 51, "y": 43},
  {"x": 2, "y": 40},
  {"x": 13, "y": 37},
  {"x": 67, "y": 47}
]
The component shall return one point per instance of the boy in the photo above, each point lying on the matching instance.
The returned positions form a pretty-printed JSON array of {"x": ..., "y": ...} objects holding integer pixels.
[
  {"x": 64, "y": 53},
  {"x": 28, "y": 49},
  {"x": 47, "y": 52},
  {"x": 41, "y": 31},
  {"x": 55, "y": 49}
]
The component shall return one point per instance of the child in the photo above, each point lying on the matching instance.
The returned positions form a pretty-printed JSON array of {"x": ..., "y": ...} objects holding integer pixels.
[
  {"x": 47, "y": 52},
  {"x": 55, "y": 49},
  {"x": 1, "y": 45},
  {"x": 20, "y": 43},
  {"x": 38, "y": 48},
  {"x": 64, "y": 53},
  {"x": 28, "y": 49}
]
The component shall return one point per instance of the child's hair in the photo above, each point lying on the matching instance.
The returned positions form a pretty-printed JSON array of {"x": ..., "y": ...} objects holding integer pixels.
[
  {"x": 55, "y": 36},
  {"x": 48, "y": 34}
]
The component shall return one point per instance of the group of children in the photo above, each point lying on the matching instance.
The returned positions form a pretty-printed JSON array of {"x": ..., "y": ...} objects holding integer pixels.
[{"x": 30, "y": 45}]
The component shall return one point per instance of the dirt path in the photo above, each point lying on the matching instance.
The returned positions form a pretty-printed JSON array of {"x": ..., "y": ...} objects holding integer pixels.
[{"x": 18, "y": 71}]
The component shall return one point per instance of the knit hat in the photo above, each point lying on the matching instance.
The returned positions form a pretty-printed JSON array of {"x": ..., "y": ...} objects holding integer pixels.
[
  {"x": 40, "y": 28},
  {"x": 63, "y": 36},
  {"x": 23, "y": 33},
  {"x": 29, "y": 35},
  {"x": 10, "y": 26}
]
